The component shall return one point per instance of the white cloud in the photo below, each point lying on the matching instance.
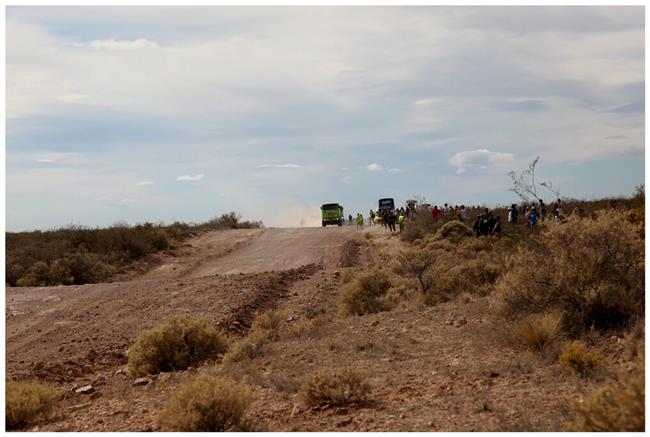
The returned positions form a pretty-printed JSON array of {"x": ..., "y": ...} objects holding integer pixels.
[
  {"x": 374, "y": 167},
  {"x": 144, "y": 183},
  {"x": 111, "y": 44},
  {"x": 278, "y": 166},
  {"x": 394, "y": 170},
  {"x": 46, "y": 161},
  {"x": 127, "y": 200},
  {"x": 188, "y": 178},
  {"x": 480, "y": 158}
]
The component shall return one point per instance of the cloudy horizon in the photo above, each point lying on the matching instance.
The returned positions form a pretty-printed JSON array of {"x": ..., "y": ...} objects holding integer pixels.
[{"x": 184, "y": 113}]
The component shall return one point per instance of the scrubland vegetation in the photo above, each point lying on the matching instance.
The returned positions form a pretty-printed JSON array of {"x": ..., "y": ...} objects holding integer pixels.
[
  {"x": 551, "y": 289},
  {"x": 554, "y": 286},
  {"x": 175, "y": 344},
  {"x": 27, "y": 401},
  {"x": 206, "y": 404},
  {"x": 80, "y": 255}
]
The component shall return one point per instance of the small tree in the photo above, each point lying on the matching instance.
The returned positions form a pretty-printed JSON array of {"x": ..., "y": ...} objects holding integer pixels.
[{"x": 524, "y": 184}]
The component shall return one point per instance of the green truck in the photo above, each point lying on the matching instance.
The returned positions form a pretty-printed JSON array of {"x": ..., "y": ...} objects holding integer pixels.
[{"x": 332, "y": 214}]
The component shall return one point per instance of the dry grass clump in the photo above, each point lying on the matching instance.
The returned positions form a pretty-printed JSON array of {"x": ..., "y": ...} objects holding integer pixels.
[
  {"x": 617, "y": 407},
  {"x": 465, "y": 297},
  {"x": 26, "y": 401},
  {"x": 174, "y": 344},
  {"x": 591, "y": 270},
  {"x": 454, "y": 230},
  {"x": 206, "y": 404},
  {"x": 310, "y": 327},
  {"x": 366, "y": 294},
  {"x": 342, "y": 387},
  {"x": 346, "y": 276},
  {"x": 577, "y": 358},
  {"x": 540, "y": 333},
  {"x": 265, "y": 328}
]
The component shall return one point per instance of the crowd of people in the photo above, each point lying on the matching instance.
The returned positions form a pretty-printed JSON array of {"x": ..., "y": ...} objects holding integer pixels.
[
  {"x": 388, "y": 218},
  {"x": 486, "y": 223}
]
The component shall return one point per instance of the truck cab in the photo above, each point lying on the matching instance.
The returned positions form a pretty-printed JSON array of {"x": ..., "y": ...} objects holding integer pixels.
[{"x": 331, "y": 214}]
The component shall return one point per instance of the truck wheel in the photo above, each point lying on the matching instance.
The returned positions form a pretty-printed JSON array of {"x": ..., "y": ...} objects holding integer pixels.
[
  {"x": 340, "y": 223},
  {"x": 323, "y": 224}
]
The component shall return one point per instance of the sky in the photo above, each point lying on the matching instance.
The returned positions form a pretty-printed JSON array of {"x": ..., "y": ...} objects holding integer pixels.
[{"x": 134, "y": 114}]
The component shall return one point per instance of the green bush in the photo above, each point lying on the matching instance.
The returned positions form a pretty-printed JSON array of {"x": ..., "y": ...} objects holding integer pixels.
[
  {"x": 26, "y": 401},
  {"x": 206, "y": 404},
  {"x": 174, "y": 344},
  {"x": 364, "y": 295}
]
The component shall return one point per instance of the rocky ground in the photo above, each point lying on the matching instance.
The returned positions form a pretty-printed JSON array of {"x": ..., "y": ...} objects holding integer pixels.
[{"x": 442, "y": 368}]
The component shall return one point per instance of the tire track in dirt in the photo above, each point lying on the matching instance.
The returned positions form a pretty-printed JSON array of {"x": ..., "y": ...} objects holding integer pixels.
[{"x": 63, "y": 333}]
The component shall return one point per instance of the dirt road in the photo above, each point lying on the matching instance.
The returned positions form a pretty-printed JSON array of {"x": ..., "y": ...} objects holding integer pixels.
[{"x": 94, "y": 324}]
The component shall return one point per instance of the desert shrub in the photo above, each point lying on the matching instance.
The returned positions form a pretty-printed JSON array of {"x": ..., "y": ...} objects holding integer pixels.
[
  {"x": 591, "y": 270},
  {"x": 206, "y": 404},
  {"x": 617, "y": 407},
  {"x": 454, "y": 231},
  {"x": 540, "y": 332},
  {"x": 364, "y": 295},
  {"x": 174, "y": 344},
  {"x": 473, "y": 276},
  {"x": 415, "y": 263},
  {"x": 342, "y": 387},
  {"x": 346, "y": 276},
  {"x": 577, "y": 358},
  {"x": 265, "y": 327},
  {"x": 14, "y": 271},
  {"x": 39, "y": 275},
  {"x": 26, "y": 401},
  {"x": 79, "y": 268},
  {"x": 422, "y": 225}
]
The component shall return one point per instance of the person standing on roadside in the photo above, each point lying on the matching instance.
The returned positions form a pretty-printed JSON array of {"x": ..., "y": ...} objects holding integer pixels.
[
  {"x": 496, "y": 228},
  {"x": 401, "y": 219},
  {"x": 532, "y": 218},
  {"x": 477, "y": 225},
  {"x": 391, "y": 220},
  {"x": 542, "y": 210},
  {"x": 359, "y": 221}
]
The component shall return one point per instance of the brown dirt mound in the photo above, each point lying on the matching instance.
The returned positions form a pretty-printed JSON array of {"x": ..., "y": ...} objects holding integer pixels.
[{"x": 349, "y": 253}]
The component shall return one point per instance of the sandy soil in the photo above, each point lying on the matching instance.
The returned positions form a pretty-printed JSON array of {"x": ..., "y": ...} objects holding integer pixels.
[{"x": 428, "y": 373}]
